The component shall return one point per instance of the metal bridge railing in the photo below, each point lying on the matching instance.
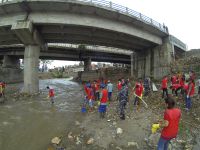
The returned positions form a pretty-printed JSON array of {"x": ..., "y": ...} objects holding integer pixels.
[{"x": 121, "y": 9}]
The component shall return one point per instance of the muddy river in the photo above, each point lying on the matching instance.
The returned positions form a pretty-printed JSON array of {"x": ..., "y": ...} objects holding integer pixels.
[{"x": 30, "y": 124}]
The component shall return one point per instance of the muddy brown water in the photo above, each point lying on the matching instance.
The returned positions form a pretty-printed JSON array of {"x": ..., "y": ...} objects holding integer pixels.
[{"x": 30, "y": 124}]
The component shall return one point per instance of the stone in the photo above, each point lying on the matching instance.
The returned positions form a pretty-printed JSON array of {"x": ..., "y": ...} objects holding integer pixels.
[
  {"x": 118, "y": 148},
  {"x": 90, "y": 141},
  {"x": 77, "y": 123},
  {"x": 133, "y": 144},
  {"x": 70, "y": 137},
  {"x": 181, "y": 141},
  {"x": 55, "y": 140},
  {"x": 78, "y": 141},
  {"x": 119, "y": 131}
]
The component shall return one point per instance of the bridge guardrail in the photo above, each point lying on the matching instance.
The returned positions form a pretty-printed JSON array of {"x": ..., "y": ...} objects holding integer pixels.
[{"x": 122, "y": 9}]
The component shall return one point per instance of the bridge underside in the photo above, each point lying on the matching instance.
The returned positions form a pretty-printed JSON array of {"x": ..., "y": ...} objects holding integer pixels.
[
  {"x": 35, "y": 23},
  {"x": 68, "y": 54}
]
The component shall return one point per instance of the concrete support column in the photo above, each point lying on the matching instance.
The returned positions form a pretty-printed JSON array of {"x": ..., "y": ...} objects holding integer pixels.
[
  {"x": 162, "y": 59},
  {"x": 31, "y": 63},
  {"x": 87, "y": 64},
  {"x": 132, "y": 64},
  {"x": 148, "y": 64},
  {"x": 11, "y": 62}
]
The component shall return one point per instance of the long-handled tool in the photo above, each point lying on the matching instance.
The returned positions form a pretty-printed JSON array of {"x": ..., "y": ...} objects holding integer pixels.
[{"x": 142, "y": 100}]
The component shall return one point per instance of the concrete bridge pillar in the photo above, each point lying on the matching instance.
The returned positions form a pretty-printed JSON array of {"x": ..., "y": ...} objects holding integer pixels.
[
  {"x": 134, "y": 67},
  {"x": 11, "y": 62},
  {"x": 162, "y": 57},
  {"x": 31, "y": 64},
  {"x": 155, "y": 62},
  {"x": 87, "y": 64}
]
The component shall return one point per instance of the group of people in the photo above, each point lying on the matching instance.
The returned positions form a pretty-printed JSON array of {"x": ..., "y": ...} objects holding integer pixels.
[
  {"x": 101, "y": 90},
  {"x": 98, "y": 90},
  {"x": 180, "y": 84}
]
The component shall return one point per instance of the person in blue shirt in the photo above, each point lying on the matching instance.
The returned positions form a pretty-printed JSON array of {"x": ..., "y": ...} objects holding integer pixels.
[{"x": 110, "y": 90}]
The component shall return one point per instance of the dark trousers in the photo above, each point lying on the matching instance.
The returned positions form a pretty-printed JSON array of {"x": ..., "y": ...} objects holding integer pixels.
[
  {"x": 176, "y": 91},
  {"x": 165, "y": 92}
]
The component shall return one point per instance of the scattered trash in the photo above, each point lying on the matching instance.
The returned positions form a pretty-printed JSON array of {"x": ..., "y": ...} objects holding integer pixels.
[
  {"x": 133, "y": 144},
  {"x": 55, "y": 140},
  {"x": 119, "y": 131},
  {"x": 90, "y": 141}
]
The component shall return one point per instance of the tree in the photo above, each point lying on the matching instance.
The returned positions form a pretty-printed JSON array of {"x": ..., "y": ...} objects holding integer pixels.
[{"x": 44, "y": 63}]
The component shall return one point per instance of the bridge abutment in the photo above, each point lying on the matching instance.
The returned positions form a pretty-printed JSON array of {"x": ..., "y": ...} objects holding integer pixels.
[
  {"x": 162, "y": 57},
  {"x": 11, "y": 62},
  {"x": 155, "y": 62},
  {"x": 87, "y": 64},
  {"x": 31, "y": 64},
  {"x": 10, "y": 70}
]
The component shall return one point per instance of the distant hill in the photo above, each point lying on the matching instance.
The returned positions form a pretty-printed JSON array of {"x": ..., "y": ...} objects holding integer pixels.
[{"x": 193, "y": 52}]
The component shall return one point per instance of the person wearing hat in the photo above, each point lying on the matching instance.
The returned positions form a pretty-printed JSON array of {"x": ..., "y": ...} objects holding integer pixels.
[
  {"x": 103, "y": 101},
  {"x": 110, "y": 90}
]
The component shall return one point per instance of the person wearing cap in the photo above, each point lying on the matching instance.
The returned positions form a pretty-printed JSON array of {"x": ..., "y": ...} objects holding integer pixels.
[
  {"x": 110, "y": 90},
  {"x": 103, "y": 101}
]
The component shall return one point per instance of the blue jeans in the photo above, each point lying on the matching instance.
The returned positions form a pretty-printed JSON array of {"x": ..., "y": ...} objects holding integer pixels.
[
  {"x": 188, "y": 102},
  {"x": 163, "y": 144},
  {"x": 109, "y": 95}
]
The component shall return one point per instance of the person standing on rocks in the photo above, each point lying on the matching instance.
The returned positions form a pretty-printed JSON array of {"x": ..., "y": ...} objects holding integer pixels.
[
  {"x": 110, "y": 90},
  {"x": 103, "y": 101},
  {"x": 138, "y": 90},
  {"x": 190, "y": 94},
  {"x": 164, "y": 86},
  {"x": 123, "y": 99},
  {"x": 170, "y": 124}
]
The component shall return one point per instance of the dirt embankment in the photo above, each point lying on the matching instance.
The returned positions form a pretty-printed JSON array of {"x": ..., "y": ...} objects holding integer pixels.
[{"x": 135, "y": 131}]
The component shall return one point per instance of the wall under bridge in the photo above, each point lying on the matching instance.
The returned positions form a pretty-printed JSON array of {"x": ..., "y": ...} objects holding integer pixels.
[{"x": 154, "y": 62}]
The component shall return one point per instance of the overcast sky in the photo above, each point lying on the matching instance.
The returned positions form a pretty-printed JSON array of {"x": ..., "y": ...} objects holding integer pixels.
[{"x": 181, "y": 16}]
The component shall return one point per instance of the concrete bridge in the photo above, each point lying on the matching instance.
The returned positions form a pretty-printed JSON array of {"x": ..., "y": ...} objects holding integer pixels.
[
  {"x": 71, "y": 52},
  {"x": 35, "y": 23}
]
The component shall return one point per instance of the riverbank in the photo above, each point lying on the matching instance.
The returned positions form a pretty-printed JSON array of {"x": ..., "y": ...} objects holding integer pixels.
[
  {"x": 135, "y": 129},
  {"x": 31, "y": 122}
]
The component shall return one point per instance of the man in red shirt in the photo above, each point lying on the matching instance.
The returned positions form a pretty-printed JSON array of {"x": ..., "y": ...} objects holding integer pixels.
[
  {"x": 190, "y": 93},
  {"x": 170, "y": 124},
  {"x": 138, "y": 93},
  {"x": 103, "y": 101},
  {"x": 51, "y": 94},
  {"x": 164, "y": 86}
]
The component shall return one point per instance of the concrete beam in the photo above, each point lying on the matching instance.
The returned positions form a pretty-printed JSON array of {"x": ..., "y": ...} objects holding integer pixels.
[
  {"x": 27, "y": 33},
  {"x": 31, "y": 64},
  {"x": 87, "y": 64},
  {"x": 94, "y": 22}
]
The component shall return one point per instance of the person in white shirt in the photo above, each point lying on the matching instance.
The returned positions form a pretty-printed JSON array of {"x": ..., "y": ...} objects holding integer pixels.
[{"x": 110, "y": 90}]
